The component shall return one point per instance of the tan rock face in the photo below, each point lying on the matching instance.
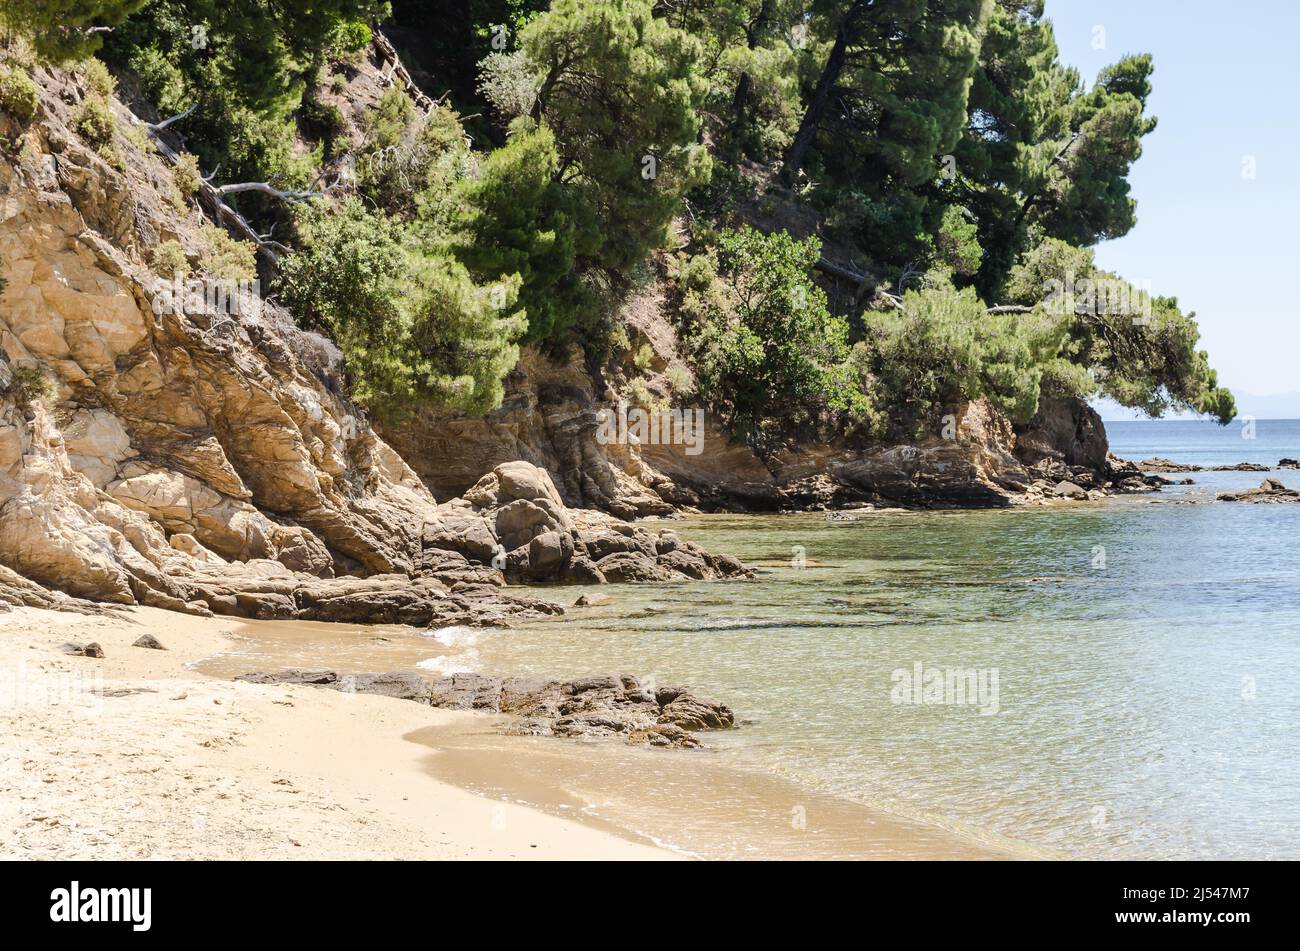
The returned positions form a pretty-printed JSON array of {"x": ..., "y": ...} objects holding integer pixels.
[
  {"x": 97, "y": 444},
  {"x": 212, "y": 463},
  {"x": 230, "y": 433}
]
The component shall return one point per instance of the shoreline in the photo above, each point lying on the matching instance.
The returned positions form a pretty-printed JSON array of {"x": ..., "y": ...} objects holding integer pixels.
[
  {"x": 182, "y": 764},
  {"x": 167, "y": 763}
]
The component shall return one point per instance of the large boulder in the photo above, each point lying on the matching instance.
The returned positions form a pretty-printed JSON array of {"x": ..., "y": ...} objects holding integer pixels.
[{"x": 1067, "y": 430}]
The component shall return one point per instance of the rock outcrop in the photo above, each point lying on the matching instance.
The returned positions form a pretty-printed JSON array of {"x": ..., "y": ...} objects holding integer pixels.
[
  {"x": 514, "y": 518},
  {"x": 599, "y": 705},
  {"x": 159, "y": 451},
  {"x": 1160, "y": 464},
  {"x": 552, "y": 418},
  {"x": 1269, "y": 491}
]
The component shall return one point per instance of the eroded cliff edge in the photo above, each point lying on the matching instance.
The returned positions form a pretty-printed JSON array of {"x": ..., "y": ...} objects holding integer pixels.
[{"x": 186, "y": 459}]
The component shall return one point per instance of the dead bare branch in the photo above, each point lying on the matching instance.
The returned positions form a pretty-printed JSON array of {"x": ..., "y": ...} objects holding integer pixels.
[
  {"x": 267, "y": 189},
  {"x": 159, "y": 126}
]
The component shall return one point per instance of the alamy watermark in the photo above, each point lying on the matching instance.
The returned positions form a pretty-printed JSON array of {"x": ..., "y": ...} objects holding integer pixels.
[
  {"x": 947, "y": 686},
  {"x": 21, "y": 686},
  {"x": 133, "y": 906},
  {"x": 1098, "y": 296},
  {"x": 216, "y": 298},
  {"x": 652, "y": 427}
]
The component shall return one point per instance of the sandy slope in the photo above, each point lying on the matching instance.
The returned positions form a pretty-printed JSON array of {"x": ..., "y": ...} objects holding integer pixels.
[{"x": 135, "y": 756}]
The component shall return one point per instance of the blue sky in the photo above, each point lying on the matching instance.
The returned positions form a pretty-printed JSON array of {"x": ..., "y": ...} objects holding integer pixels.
[{"x": 1225, "y": 92}]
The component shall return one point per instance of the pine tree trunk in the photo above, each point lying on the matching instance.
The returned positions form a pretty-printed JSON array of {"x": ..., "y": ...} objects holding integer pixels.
[
  {"x": 816, "y": 111},
  {"x": 740, "y": 103}
]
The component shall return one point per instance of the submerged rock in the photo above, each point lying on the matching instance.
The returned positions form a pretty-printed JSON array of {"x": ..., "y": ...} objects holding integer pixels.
[
  {"x": 1270, "y": 490},
  {"x": 596, "y": 705}
]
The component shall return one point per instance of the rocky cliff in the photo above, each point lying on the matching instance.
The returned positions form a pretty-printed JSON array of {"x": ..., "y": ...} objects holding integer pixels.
[
  {"x": 156, "y": 452},
  {"x": 552, "y": 417},
  {"x": 163, "y": 452}
]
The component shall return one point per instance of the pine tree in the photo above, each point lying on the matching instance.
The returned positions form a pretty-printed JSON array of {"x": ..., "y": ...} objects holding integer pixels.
[
  {"x": 620, "y": 90},
  {"x": 516, "y": 219}
]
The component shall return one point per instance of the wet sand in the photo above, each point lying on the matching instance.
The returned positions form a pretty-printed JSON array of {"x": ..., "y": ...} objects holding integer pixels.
[{"x": 685, "y": 801}]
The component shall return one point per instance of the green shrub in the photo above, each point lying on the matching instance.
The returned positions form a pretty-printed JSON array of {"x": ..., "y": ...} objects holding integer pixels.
[
  {"x": 412, "y": 324},
  {"x": 515, "y": 218},
  {"x": 99, "y": 81},
  {"x": 679, "y": 378},
  {"x": 386, "y": 124},
  {"x": 619, "y": 342},
  {"x": 350, "y": 40},
  {"x": 697, "y": 273},
  {"x": 638, "y": 393},
  {"x": 644, "y": 357},
  {"x": 186, "y": 175},
  {"x": 94, "y": 120},
  {"x": 18, "y": 95},
  {"x": 228, "y": 258},
  {"x": 169, "y": 258},
  {"x": 30, "y": 385},
  {"x": 941, "y": 348},
  {"x": 768, "y": 354}
]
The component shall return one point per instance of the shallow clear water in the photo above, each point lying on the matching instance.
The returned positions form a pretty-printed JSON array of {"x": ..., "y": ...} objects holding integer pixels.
[{"x": 1145, "y": 655}]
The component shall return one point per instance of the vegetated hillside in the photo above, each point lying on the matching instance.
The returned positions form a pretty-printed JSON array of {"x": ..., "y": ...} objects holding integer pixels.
[
  {"x": 201, "y": 453},
  {"x": 796, "y": 215}
]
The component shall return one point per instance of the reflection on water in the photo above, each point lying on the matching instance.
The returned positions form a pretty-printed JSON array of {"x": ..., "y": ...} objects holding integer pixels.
[{"x": 1144, "y": 658}]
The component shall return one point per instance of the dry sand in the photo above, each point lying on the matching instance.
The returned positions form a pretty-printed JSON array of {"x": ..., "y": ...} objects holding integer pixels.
[{"x": 136, "y": 756}]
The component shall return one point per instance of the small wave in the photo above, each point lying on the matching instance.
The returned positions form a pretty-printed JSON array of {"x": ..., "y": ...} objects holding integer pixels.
[
  {"x": 447, "y": 664},
  {"x": 458, "y": 635}
]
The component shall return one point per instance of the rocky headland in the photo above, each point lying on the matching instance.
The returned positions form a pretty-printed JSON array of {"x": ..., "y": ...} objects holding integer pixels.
[{"x": 178, "y": 458}]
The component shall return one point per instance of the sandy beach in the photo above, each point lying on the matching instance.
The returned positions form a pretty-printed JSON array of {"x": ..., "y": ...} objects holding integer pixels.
[
  {"x": 149, "y": 754},
  {"x": 135, "y": 756}
]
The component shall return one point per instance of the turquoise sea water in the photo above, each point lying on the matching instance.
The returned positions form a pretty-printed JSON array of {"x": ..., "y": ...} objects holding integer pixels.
[
  {"x": 1145, "y": 657},
  {"x": 1262, "y": 441}
]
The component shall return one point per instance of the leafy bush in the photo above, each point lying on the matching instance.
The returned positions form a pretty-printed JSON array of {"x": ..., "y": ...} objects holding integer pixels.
[
  {"x": 386, "y": 124},
  {"x": 169, "y": 258},
  {"x": 622, "y": 91},
  {"x": 413, "y": 163},
  {"x": 679, "y": 378},
  {"x": 515, "y": 219},
  {"x": 768, "y": 354},
  {"x": 60, "y": 30},
  {"x": 509, "y": 82},
  {"x": 618, "y": 340},
  {"x": 29, "y": 386},
  {"x": 186, "y": 175},
  {"x": 412, "y": 324},
  {"x": 228, "y": 258},
  {"x": 99, "y": 81},
  {"x": 18, "y": 95},
  {"x": 1147, "y": 361},
  {"x": 94, "y": 120},
  {"x": 638, "y": 393},
  {"x": 644, "y": 357},
  {"x": 941, "y": 348}
]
